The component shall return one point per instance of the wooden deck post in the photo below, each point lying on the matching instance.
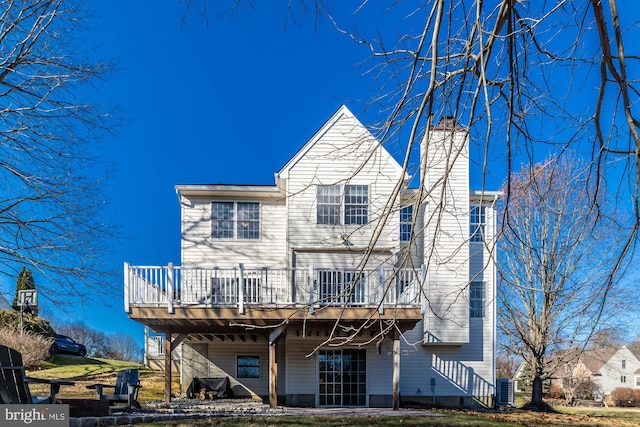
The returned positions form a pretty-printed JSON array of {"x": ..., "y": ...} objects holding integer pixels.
[
  {"x": 273, "y": 364},
  {"x": 167, "y": 366},
  {"x": 273, "y": 375},
  {"x": 396, "y": 372}
]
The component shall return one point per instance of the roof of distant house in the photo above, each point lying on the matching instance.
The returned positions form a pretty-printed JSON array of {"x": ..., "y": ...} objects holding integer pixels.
[{"x": 4, "y": 303}]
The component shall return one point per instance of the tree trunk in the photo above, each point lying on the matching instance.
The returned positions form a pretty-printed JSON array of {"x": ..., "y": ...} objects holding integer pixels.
[{"x": 536, "y": 391}]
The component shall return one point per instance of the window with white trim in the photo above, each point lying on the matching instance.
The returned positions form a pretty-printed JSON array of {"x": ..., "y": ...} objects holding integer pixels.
[
  {"x": 329, "y": 199},
  {"x": 624, "y": 364},
  {"x": 476, "y": 299},
  {"x": 335, "y": 206},
  {"x": 477, "y": 222},
  {"x": 623, "y": 379},
  {"x": 235, "y": 220},
  {"x": 356, "y": 204},
  {"x": 247, "y": 366},
  {"x": 406, "y": 220}
]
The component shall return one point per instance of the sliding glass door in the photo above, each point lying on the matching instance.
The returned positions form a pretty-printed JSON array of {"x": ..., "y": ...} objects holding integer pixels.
[{"x": 342, "y": 378}]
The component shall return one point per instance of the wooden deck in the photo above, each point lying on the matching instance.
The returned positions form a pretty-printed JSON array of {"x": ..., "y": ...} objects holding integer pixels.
[{"x": 198, "y": 320}]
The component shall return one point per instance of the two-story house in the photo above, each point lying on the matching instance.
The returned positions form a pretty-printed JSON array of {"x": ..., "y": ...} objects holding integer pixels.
[
  {"x": 338, "y": 285},
  {"x": 608, "y": 368}
]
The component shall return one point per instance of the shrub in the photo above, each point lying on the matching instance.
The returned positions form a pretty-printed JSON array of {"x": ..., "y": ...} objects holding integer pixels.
[
  {"x": 625, "y": 397},
  {"x": 555, "y": 392},
  {"x": 34, "y": 347},
  {"x": 11, "y": 319},
  {"x": 584, "y": 389}
]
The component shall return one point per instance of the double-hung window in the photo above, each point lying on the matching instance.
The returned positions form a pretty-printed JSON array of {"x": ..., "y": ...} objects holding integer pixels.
[
  {"x": 477, "y": 222},
  {"x": 235, "y": 220},
  {"x": 329, "y": 203},
  {"x": 406, "y": 219},
  {"x": 337, "y": 204},
  {"x": 356, "y": 204},
  {"x": 476, "y": 299}
]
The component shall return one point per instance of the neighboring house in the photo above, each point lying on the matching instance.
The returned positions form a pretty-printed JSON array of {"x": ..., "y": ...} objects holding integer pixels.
[
  {"x": 607, "y": 367},
  {"x": 339, "y": 285},
  {"x": 4, "y": 304}
]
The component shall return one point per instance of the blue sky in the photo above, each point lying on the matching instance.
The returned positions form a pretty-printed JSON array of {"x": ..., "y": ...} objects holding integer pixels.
[{"x": 224, "y": 101}]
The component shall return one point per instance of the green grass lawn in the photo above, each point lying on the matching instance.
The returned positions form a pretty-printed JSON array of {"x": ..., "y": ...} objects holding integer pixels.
[
  {"x": 86, "y": 371},
  {"x": 631, "y": 415},
  {"x": 449, "y": 420},
  {"x": 77, "y": 367}
]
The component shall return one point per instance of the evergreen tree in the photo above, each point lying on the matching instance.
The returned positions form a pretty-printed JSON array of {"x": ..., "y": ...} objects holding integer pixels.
[{"x": 25, "y": 282}]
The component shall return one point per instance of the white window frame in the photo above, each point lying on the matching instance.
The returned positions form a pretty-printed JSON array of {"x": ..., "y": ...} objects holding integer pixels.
[
  {"x": 329, "y": 204},
  {"x": 476, "y": 303},
  {"x": 477, "y": 222},
  {"x": 406, "y": 223},
  {"x": 240, "y": 227},
  {"x": 337, "y": 205},
  {"x": 356, "y": 204}
]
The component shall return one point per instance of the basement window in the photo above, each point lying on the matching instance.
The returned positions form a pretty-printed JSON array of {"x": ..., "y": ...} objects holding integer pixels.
[{"x": 248, "y": 366}]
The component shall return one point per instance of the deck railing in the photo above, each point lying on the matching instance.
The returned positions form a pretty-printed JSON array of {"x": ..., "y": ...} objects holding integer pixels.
[{"x": 173, "y": 286}]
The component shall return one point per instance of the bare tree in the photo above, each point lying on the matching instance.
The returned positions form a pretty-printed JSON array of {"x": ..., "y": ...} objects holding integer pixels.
[
  {"x": 506, "y": 365},
  {"x": 95, "y": 341},
  {"x": 553, "y": 265},
  {"x": 51, "y": 178},
  {"x": 123, "y": 347},
  {"x": 526, "y": 77}
]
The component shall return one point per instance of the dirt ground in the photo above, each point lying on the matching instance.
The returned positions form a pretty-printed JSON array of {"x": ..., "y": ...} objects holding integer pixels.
[{"x": 531, "y": 418}]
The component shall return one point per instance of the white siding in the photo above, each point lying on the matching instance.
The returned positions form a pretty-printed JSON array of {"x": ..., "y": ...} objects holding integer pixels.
[
  {"x": 446, "y": 248},
  {"x": 200, "y": 249},
  {"x": 302, "y": 371},
  {"x": 464, "y": 370},
  {"x": 344, "y": 153},
  {"x": 612, "y": 372}
]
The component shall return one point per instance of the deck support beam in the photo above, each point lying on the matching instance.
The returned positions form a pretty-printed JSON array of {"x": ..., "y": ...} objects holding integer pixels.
[
  {"x": 167, "y": 366},
  {"x": 396, "y": 372},
  {"x": 273, "y": 364},
  {"x": 273, "y": 376}
]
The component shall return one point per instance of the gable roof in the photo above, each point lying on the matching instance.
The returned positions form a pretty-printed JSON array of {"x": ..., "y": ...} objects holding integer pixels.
[
  {"x": 595, "y": 359},
  {"x": 342, "y": 113}
]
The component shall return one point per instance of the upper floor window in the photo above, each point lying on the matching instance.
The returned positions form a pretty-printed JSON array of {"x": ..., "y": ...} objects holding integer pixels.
[
  {"x": 477, "y": 221},
  {"x": 356, "y": 204},
  {"x": 623, "y": 379},
  {"x": 406, "y": 219},
  {"x": 476, "y": 299},
  {"x": 624, "y": 364},
  {"x": 235, "y": 220},
  {"x": 331, "y": 202}
]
